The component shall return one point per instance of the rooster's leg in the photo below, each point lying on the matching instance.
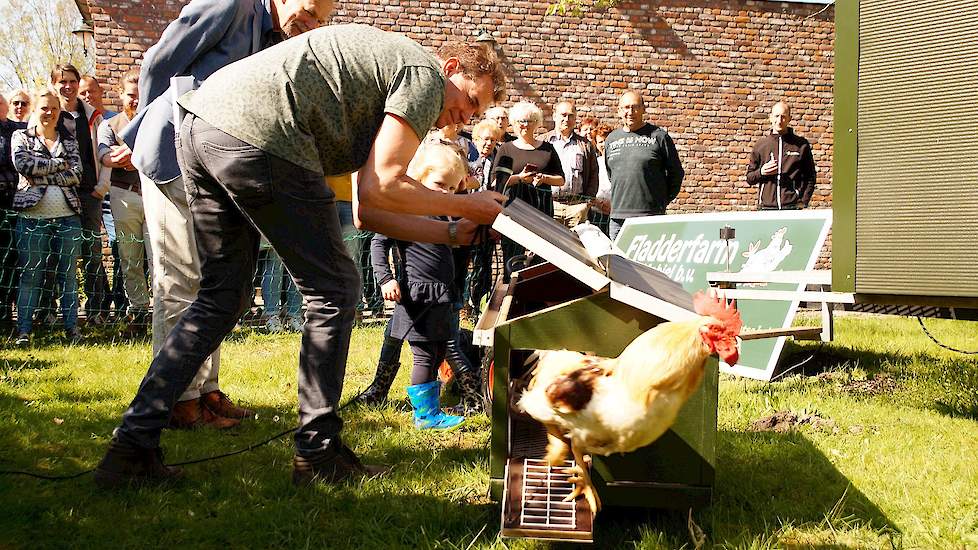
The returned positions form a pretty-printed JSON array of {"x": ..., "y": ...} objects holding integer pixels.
[
  {"x": 557, "y": 447},
  {"x": 582, "y": 481}
]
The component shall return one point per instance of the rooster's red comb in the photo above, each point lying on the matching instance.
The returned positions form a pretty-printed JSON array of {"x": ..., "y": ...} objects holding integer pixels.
[{"x": 719, "y": 309}]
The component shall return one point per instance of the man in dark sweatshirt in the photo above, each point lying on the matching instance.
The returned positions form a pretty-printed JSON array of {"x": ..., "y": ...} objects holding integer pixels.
[
  {"x": 782, "y": 166},
  {"x": 643, "y": 165}
]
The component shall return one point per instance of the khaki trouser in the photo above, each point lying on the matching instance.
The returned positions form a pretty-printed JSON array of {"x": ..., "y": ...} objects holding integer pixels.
[
  {"x": 132, "y": 237},
  {"x": 570, "y": 214},
  {"x": 176, "y": 270}
]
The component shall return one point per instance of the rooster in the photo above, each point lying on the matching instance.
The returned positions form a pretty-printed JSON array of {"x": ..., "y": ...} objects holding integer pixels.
[{"x": 597, "y": 405}]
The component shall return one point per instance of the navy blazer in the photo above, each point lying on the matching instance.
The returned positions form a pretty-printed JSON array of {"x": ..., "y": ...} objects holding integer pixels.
[{"x": 207, "y": 35}]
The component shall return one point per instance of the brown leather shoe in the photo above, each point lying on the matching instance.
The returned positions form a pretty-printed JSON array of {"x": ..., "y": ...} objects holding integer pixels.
[
  {"x": 191, "y": 414},
  {"x": 219, "y": 403},
  {"x": 125, "y": 464},
  {"x": 336, "y": 464}
]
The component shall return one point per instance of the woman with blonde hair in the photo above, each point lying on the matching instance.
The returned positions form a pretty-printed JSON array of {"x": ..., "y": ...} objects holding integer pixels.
[
  {"x": 49, "y": 224},
  {"x": 536, "y": 168}
]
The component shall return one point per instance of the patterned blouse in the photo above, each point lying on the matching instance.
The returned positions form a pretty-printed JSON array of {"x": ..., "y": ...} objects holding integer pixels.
[{"x": 56, "y": 170}]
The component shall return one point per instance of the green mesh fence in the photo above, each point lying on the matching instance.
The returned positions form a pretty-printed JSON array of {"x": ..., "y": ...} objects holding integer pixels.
[{"x": 38, "y": 258}]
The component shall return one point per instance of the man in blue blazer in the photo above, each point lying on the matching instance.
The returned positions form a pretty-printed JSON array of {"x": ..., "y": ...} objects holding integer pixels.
[{"x": 206, "y": 36}]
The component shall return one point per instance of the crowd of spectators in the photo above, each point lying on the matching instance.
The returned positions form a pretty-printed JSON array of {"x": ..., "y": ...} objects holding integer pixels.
[{"x": 69, "y": 193}]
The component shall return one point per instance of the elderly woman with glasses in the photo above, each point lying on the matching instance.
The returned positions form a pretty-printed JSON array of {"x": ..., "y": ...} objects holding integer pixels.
[
  {"x": 536, "y": 168},
  {"x": 8, "y": 186},
  {"x": 20, "y": 106}
]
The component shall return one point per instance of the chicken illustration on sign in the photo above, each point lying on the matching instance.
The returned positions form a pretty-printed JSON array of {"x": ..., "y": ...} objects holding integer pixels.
[{"x": 767, "y": 259}]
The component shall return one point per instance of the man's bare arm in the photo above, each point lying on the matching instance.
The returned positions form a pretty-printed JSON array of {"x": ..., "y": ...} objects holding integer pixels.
[
  {"x": 383, "y": 182},
  {"x": 407, "y": 227}
]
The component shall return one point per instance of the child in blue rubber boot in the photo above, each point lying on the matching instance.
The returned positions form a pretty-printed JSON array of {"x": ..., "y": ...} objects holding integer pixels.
[{"x": 423, "y": 289}]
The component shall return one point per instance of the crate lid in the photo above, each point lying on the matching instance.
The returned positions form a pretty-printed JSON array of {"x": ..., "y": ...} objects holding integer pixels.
[{"x": 629, "y": 282}]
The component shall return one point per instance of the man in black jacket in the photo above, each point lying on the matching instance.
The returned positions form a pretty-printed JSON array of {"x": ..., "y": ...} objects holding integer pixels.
[{"x": 782, "y": 165}]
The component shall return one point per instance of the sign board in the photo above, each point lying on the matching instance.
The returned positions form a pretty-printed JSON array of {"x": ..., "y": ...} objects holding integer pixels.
[{"x": 688, "y": 246}]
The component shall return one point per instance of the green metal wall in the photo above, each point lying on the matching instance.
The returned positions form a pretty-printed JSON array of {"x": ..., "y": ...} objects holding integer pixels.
[{"x": 917, "y": 163}]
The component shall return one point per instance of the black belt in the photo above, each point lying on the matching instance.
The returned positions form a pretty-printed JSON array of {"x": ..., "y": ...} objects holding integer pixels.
[
  {"x": 134, "y": 187},
  {"x": 571, "y": 200}
]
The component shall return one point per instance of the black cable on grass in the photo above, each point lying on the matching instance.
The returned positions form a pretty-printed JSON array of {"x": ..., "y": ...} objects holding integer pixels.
[
  {"x": 239, "y": 451},
  {"x": 42, "y": 476},
  {"x": 482, "y": 235},
  {"x": 936, "y": 341},
  {"x": 251, "y": 447}
]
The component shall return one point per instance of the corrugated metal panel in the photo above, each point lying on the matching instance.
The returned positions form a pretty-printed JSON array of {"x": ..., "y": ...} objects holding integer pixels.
[{"x": 917, "y": 175}]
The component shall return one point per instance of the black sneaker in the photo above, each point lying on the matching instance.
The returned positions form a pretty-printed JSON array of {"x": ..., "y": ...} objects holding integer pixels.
[
  {"x": 125, "y": 464},
  {"x": 23, "y": 340},
  {"x": 336, "y": 464}
]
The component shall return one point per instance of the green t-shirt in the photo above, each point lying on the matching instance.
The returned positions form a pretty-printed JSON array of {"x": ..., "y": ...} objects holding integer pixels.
[{"x": 317, "y": 100}]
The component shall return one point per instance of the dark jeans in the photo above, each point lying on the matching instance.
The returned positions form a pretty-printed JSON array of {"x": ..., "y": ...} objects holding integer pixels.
[
  {"x": 9, "y": 276},
  {"x": 236, "y": 190},
  {"x": 96, "y": 283},
  {"x": 39, "y": 240},
  {"x": 372, "y": 294}
]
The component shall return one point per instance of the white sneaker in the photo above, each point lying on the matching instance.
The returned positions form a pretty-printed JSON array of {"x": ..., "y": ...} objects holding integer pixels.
[
  {"x": 295, "y": 324},
  {"x": 274, "y": 324}
]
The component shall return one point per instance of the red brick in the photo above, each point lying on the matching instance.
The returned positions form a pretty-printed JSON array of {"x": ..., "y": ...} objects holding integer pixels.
[{"x": 709, "y": 72}]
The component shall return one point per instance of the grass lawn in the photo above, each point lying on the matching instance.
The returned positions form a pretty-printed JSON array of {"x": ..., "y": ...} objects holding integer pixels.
[{"x": 889, "y": 460}]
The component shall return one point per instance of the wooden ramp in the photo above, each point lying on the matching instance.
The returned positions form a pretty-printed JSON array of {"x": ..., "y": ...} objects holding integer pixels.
[
  {"x": 534, "y": 491},
  {"x": 534, "y": 507}
]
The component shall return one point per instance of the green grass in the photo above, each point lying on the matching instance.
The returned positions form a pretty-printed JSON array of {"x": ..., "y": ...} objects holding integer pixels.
[{"x": 896, "y": 468}]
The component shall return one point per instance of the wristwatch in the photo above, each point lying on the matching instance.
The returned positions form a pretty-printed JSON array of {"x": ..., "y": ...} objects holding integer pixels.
[{"x": 453, "y": 233}]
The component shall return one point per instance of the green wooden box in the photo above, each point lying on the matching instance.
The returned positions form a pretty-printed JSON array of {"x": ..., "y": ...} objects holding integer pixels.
[{"x": 545, "y": 308}]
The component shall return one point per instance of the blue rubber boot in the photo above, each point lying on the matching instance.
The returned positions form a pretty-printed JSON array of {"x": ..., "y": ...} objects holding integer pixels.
[{"x": 427, "y": 411}]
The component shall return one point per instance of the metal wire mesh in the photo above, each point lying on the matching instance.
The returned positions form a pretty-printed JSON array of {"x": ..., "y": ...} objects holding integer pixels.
[{"x": 49, "y": 254}]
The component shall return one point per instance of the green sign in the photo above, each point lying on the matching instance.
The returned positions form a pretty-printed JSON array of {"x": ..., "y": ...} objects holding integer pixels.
[{"x": 688, "y": 246}]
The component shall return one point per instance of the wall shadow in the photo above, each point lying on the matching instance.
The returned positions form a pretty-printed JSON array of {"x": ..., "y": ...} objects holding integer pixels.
[
  {"x": 946, "y": 385},
  {"x": 765, "y": 480}
]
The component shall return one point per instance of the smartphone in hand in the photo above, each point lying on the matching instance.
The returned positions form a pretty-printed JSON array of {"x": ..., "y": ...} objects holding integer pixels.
[{"x": 531, "y": 168}]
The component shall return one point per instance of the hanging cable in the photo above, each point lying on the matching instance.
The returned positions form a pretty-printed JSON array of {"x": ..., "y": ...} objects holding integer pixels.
[{"x": 936, "y": 341}]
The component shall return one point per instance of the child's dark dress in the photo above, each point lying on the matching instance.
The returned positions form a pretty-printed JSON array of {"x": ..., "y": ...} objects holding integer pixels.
[{"x": 425, "y": 274}]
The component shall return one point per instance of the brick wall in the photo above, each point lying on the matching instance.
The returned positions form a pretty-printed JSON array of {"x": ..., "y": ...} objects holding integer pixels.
[
  {"x": 710, "y": 69},
  {"x": 124, "y": 29}
]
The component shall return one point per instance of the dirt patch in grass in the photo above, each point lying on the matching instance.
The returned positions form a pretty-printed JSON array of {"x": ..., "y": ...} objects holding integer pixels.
[
  {"x": 786, "y": 421},
  {"x": 879, "y": 384}
]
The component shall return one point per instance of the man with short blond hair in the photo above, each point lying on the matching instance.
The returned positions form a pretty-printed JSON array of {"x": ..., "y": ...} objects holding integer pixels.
[
  {"x": 91, "y": 92},
  {"x": 643, "y": 165}
]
